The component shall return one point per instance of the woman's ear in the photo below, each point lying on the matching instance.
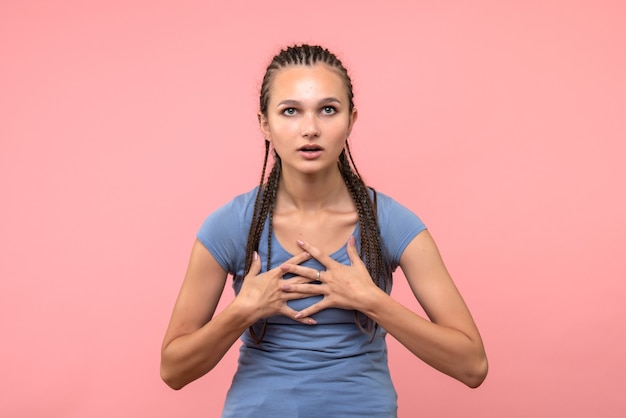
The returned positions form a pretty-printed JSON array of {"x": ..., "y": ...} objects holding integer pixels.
[
  {"x": 353, "y": 118},
  {"x": 264, "y": 126}
]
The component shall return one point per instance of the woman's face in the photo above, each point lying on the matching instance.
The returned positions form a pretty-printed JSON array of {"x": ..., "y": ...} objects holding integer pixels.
[{"x": 308, "y": 118}]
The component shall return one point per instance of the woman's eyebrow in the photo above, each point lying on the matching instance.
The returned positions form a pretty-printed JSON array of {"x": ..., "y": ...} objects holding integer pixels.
[
  {"x": 330, "y": 100},
  {"x": 290, "y": 102}
]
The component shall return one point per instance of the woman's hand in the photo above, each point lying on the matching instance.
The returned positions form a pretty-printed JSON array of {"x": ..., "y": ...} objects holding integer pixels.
[
  {"x": 345, "y": 287},
  {"x": 263, "y": 295}
]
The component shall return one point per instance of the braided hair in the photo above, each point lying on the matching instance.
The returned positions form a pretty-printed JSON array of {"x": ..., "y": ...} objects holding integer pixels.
[{"x": 371, "y": 246}]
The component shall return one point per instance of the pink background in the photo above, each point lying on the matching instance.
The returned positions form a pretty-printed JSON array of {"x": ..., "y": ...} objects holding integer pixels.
[{"x": 123, "y": 124}]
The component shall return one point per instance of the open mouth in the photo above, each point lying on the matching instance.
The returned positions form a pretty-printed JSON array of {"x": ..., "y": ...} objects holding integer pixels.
[{"x": 310, "y": 148}]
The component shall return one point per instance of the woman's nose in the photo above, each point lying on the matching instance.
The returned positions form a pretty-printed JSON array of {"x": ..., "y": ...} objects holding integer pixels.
[{"x": 310, "y": 126}]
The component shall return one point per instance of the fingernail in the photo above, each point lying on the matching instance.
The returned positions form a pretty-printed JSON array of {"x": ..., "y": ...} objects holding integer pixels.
[
  {"x": 312, "y": 321},
  {"x": 256, "y": 256},
  {"x": 300, "y": 242},
  {"x": 298, "y": 315}
]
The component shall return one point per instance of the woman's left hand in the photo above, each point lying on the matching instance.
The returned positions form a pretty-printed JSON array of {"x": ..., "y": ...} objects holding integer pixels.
[{"x": 342, "y": 286}]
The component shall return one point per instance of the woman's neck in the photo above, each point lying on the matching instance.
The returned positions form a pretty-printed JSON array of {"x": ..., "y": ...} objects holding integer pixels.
[{"x": 310, "y": 193}]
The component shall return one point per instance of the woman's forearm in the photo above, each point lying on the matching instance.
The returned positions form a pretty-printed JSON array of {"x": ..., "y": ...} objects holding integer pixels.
[
  {"x": 446, "y": 349},
  {"x": 191, "y": 356}
]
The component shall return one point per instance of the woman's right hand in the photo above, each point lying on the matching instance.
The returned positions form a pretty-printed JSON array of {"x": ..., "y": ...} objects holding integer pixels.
[{"x": 262, "y": 296}]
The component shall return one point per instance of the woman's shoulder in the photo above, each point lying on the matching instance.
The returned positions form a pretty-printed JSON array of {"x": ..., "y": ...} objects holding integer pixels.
[
  {"x": 245, "y": 199},
  {"x": 224, "y": 231},
  {"x": 398, "y": 225},
  {"x": 391, "y": 212},
  {"x": 240, "y": 205},
  {"x": 385, "y": 202},
  {"x": 234, "y": 212}
]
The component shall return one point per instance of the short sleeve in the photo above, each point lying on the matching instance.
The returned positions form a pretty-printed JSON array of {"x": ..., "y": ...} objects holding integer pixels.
[
  {"x": 224, "y": 232},
  {"x": 398, "y": 226}
]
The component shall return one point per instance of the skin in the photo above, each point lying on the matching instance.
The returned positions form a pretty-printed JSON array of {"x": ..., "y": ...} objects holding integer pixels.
[{"x": 314, "y": 217}]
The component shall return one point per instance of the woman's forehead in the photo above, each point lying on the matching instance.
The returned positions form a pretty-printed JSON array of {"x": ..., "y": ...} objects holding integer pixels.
[{"x": 307, "y": 80}]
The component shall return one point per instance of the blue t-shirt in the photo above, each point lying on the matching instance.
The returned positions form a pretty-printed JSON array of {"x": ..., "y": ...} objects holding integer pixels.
[{"x": 332, "y": 369}]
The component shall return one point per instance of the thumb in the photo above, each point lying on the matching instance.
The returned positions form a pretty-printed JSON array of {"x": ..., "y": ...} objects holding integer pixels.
[
  {"x": 255, "y": 267},
  {"x": 353, "y": 254}
]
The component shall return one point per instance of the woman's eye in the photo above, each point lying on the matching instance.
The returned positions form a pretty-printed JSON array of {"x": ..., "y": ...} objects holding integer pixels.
[
  {"x": 289, "y": 111},
  {"x": 329, "y": 110}
]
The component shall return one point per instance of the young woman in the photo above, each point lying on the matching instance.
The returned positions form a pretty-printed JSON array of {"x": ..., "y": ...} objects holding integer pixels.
[{"x": 312, "y": 251}]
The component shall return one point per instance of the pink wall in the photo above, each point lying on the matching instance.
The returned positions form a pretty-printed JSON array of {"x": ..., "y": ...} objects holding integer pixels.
[{"x": 123, "y": 124}]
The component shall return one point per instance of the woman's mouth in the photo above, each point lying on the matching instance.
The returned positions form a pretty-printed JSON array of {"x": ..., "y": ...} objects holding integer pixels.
[{"x": 310, "y": 152}]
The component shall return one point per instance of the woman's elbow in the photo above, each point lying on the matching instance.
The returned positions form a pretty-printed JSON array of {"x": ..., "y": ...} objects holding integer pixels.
[
  {"x": 171, "y": 379},
  {"x": 171, "y": 373},
  {"x": 477, "y": 374}
]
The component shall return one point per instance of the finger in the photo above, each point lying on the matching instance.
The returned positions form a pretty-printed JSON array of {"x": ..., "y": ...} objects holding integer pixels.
[
  {"x": 316, "y": 253},
  {"x": 353, "y": 252},
  {"x": 308, "y": 273},
  {"x": 299, "y": 258},
  {"x": 304, "y": 289},
  {"x": 298, "y": 280},
  {"x": 311, "y": 310},
  {"x": 294, "y": 295},
  {"x": 255, "y": 266},
  {"x": 295, "y": 260},
  {"x": 290, "y": 313}
]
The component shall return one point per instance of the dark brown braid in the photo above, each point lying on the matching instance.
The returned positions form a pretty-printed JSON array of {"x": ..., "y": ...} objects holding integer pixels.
[
  {"x": 254, "y": 235},
  {"x": 371, "y": 248},
  {"x": 263, "y": 209}
]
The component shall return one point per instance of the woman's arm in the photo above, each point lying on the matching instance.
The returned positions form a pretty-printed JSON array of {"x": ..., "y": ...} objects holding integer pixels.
[
  {"x": 449, "y": 342},
  {"x": 195, "y": 340}
]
